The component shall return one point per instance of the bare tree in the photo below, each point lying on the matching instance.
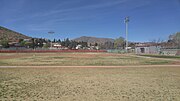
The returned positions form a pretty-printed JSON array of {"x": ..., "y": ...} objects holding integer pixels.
[
  {"x": 119, "y": 43},
  {"x": 175, "y": 39}
]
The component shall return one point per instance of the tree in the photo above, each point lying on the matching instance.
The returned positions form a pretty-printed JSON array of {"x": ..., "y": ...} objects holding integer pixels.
[
  {"x": 73, "y": 45},
  {"x": 132, "y": 45},
  {"x": 54, "y": 41},
  {"x": 175, "y": 38},
  {"x": 84, "y": 44},
  {"x": 33, "y": 43},
  {"x": 96, "y": 44},
  {"x": 119, "y": 43},
  {"x": 46, "y": 45},
  {"x": 20, "y": 40},
  {"x": 157, "y": 41},
  {"x": 59, "y": 41},
  {"x": 4, "y": 43},
  {"x": 107, "y": 45},
  {"x": 22, "y": 43},
  {"x": 67, "y": 42}
]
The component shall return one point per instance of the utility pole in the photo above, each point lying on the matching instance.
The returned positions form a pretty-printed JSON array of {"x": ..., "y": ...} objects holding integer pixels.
[
  {"x": 126, "y": 22},
  {"x": 51, "y": 32}
]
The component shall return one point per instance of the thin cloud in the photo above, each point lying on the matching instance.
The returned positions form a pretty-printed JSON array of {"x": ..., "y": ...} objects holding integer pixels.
[
  {"x": 85, "y": 7},
  {"x": 57, "y": 16},
  {"x": 68, "y": 11}
]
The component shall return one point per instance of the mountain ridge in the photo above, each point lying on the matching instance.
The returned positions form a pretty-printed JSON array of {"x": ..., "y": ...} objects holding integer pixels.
[
  {"x": 11, "y": 35},
  {"x": 93, "y": 40}
]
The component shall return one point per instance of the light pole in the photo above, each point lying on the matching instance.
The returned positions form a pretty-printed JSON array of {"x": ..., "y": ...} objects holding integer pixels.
[
  {"x": 126, "y": 22},
  {"x": 51, "y": 32}
]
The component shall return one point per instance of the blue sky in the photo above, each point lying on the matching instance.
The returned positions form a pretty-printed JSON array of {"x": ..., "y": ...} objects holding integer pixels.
[{"x": 149, "y": 19}]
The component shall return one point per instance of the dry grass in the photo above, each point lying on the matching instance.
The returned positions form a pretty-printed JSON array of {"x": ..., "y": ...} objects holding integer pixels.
[
  {"x": 90, "y": 84},
  {"x": 75, "y": 59},
  {"x": 86, "y": 84}
]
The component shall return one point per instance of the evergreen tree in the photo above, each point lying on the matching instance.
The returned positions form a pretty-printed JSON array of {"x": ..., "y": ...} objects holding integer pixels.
[{"x": 4, "y": 43}]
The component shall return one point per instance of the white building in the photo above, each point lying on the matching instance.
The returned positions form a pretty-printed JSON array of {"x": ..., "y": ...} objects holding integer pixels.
[
  {"x": 78, "y": 46},
  {"x": 147, "y": 49}
]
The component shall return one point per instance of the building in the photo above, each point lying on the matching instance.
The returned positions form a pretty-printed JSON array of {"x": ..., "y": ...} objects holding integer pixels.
[
  {"x": 79, "y": 47},
  {"x": 147, "y": 49},
  {"x": 58, "y": 46}
]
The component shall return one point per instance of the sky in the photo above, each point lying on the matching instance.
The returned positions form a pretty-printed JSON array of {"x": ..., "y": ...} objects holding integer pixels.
[{"x": 149, "y": 19}]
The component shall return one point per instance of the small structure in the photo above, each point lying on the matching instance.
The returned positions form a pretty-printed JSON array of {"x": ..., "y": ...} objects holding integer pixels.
[
  {"x": 94, "y": 47},
  {"x": 79, "y": 47},
  {"x": 147, "y": 49},
  {"x": 27, "y": 40},
  {"x": 57, "y": 46}
]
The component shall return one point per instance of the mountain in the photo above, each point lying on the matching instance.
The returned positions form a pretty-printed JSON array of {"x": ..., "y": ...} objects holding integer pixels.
[
  {"x": 11, "y": 35},
  {"x": 93, "y": 40}
]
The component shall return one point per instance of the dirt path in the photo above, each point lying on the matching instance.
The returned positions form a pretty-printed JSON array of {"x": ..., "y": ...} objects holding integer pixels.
[{"x": 89, "y": 66}]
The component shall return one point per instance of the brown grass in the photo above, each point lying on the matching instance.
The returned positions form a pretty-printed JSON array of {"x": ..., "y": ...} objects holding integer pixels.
[
  {"x": 90, "y": 84},
  {"x": 75, "y": 59}
]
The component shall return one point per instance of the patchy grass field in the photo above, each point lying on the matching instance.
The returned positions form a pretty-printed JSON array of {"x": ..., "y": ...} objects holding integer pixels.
[
  {"x": 162, "y": 56},
  {"x": 35, "y": 83},
  {"x": 75, "y": 59},
  {"x": 90, "y": 84}
]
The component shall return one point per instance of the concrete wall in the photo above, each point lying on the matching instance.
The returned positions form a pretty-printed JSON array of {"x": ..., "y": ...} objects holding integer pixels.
[
  {"x": 148, "y": 50},
  {"x": 154, "y": 49},
  {"x": 138, "y": 50}
]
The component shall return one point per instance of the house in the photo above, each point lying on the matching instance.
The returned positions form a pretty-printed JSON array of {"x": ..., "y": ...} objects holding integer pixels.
[
  {"x": 147, "y": 49},
  {"x": 94, "y": 47},
  {"x": 79, "y": 47},
  {"x": 57, "y": 46},
  {"x": 142, "y": 50},
  {"x": 27, "y": 40}
]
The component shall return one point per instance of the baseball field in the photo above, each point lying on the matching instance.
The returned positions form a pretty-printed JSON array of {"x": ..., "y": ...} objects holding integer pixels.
[{"x": 88, "y": 77}]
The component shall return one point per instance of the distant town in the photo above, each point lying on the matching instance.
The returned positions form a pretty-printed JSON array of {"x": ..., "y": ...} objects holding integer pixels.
[{"x": 11, "y": 40}]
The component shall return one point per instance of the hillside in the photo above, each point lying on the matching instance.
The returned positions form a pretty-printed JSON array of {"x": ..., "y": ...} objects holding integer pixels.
[
  {"x": 12, "y": 36},
  {"x": 93, "y": 40}
]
